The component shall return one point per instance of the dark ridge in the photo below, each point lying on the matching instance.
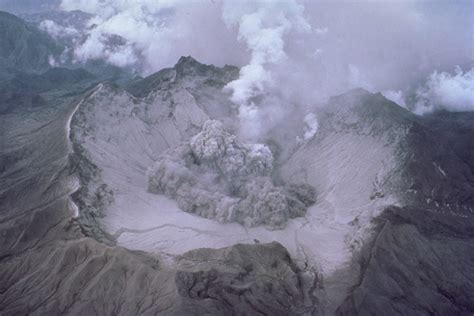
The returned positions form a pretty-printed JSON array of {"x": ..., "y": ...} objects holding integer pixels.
[
  {"x": 21, "y": 90},
  {"x": 440, "y": 166},
  {"x": 143, "y": 86},
  {"x": 54, "y": 78},
  {"x": 23, "y": 46},
  {"x": 74, "y": 17},
  {"x": 186, "y": 67},
  {"x": 456, "y": 128},
  {"x": 419, "y": 263},
  {"x": 67, "y": 76}
]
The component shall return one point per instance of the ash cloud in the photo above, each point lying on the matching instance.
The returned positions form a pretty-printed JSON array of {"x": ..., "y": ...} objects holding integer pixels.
[{"x": 217, "y": 177}]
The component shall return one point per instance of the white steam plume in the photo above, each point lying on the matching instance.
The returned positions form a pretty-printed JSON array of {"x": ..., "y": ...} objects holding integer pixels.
[
  {"x": 149, "y": 35},
  {"x": 452, "y": 92},
  {"x": 121, "y": 30},
  {"x": 262, "y": 27},
  {"x": 57, "y": 31},
  {"x": 384, "y": 46},
  {"x": 310, "y": 129}
]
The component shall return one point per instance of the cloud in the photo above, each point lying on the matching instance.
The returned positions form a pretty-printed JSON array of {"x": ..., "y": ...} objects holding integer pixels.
[
  {"x": 57, "y": 31},
  {"x": 442, "y": 90},
  {"x": 290, "y": 52},
  {"x": 154, "y": 33},
  {"x": 262, "y": 26},
  {"x": 121, "y": 32}
]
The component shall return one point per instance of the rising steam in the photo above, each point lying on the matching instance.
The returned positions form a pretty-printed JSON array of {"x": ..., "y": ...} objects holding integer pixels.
[
  {"x": 262, "y": 27},
  {"x": 452, "y": 92},
  {"x": 292, "y": 52}
]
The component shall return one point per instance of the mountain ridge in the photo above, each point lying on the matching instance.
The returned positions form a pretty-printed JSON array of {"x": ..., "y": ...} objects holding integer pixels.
[{"x": 23, "y": 46}]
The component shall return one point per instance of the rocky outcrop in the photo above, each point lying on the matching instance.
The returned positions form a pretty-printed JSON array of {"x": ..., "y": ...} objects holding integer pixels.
[
  {"x": 203, "y": 76},
  {"x": 249, "y": 279}
]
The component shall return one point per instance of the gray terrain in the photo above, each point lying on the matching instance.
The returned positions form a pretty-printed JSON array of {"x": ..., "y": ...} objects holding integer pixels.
[{"x": 127, "y": 196}]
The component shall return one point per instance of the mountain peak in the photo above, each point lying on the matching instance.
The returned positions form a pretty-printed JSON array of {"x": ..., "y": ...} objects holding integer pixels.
[
  {"x": 7, "y": 15},
  {"x": 187, "y": 65},
  {"x": 187, "y": 61},
  {"x": 187, "y": 69}
]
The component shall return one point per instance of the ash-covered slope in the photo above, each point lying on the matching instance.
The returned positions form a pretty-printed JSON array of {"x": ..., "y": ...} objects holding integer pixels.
[
  {"x": 386, "y": 150},
  {"x": 353, "y": 160},
  {"x": 203, "y": 82},
  {"x": 48, "y": 265},
  {"x": 420, "y": 262},
  {"x": 118, "y": 136},
  {"x": 353, "y": 252},
  {"x": 360, "y": 162},
  {"x": 369, "y": 149}
]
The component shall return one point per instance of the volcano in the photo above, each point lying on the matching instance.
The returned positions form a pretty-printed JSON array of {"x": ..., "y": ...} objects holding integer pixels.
[{"x": 139, "y": 196}]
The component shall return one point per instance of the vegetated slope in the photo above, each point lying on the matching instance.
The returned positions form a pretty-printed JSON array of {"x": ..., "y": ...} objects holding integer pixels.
[
  {"x": 20, "y": 91},
  {"x": 75, "y": 19},
  {"x": 23, "y": 47},
  {"x": 29, "y": 6}
]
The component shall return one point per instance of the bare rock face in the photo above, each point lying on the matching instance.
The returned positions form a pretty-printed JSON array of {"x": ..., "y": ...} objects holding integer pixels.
[
  {"x": 215, "y": 176},
  {"x": 249, "y": 278}
]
